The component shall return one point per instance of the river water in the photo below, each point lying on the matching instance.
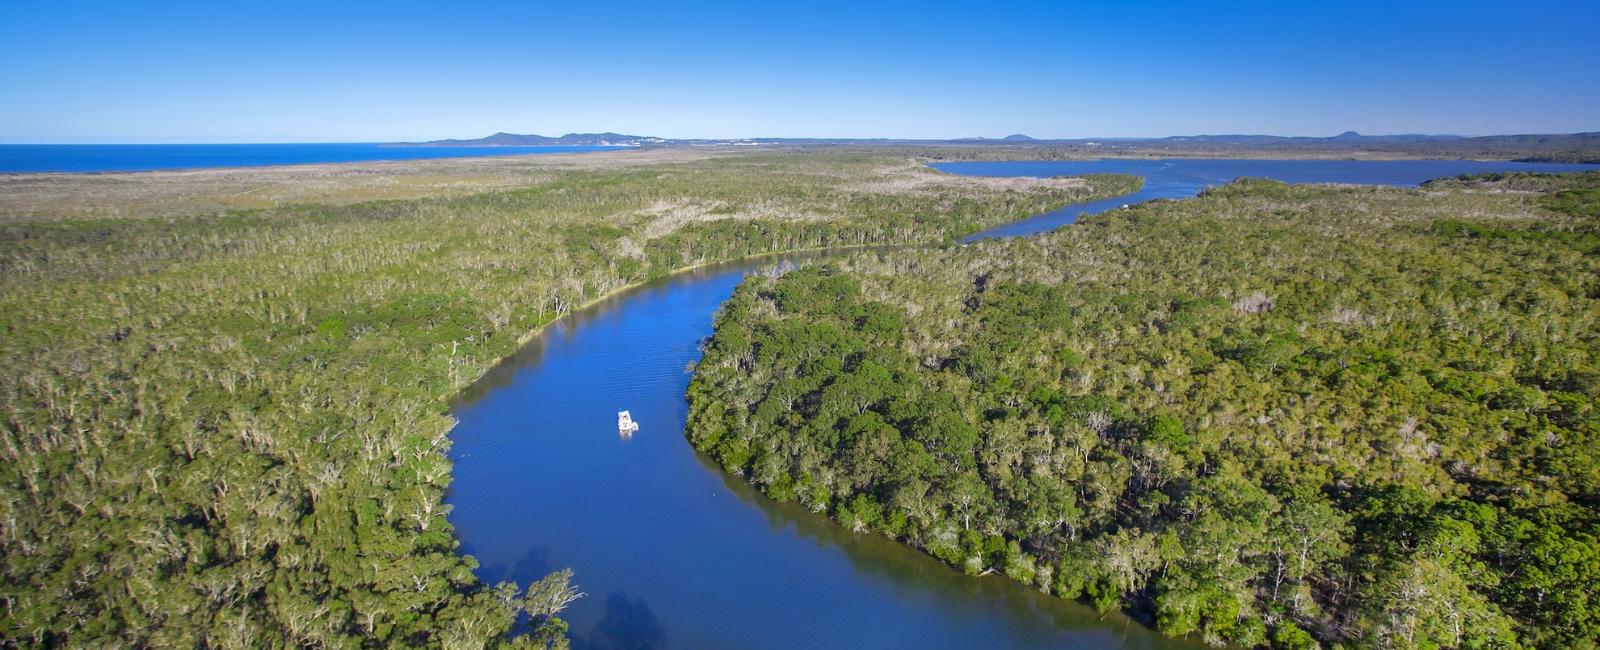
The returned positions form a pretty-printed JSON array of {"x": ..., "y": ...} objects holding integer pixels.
[
  {"x": 675, "y": 553},
  {"x": 1180, "y": 178}
]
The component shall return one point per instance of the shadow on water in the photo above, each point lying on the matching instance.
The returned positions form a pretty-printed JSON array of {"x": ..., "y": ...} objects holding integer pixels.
[
  {"x": 1036, "y": 616},
  {"x": 626, "y": 625},
  {"x": 533, "y": 566},
  {"x": 565, "y": 327},
  {"x": 543, "y": 482},
  {"x": 527, "y": 481}
]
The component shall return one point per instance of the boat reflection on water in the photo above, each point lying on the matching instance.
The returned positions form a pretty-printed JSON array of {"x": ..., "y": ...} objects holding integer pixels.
[{"x": 693, "y": 557}]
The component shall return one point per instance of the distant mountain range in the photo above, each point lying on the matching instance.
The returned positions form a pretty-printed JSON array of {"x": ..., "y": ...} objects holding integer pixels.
[
  {"x": 1575, "y": 147},
  {"x": 1346, "y": 137},
  {"x": 503, "y": 139},
  {"x": 1564, "y": 148},
  {"x": 1015, "y": 137},
  {"x": 617, "y": 139}
]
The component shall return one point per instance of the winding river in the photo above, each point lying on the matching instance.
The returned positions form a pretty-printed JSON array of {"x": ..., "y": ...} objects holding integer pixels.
[{"x": 675, "y": 553}]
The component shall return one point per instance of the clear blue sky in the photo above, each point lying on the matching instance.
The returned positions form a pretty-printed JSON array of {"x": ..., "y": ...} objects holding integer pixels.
[{"x": 398, "y": 70}]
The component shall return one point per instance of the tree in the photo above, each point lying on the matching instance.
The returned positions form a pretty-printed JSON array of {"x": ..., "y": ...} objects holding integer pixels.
[
  {"x": 543, "y": 601},
  {"x": 1422, "y": 604},
  {"x": 1307, "y": 533}
]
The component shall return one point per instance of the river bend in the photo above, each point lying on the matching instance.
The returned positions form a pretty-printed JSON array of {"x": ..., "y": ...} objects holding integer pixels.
[{"x": 675, "y": 553}]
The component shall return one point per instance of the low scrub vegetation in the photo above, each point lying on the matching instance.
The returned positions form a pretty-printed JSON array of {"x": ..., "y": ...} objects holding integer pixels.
[
  {"x": 1272, "y": 415},
  {"x": 229, "y": 430}
]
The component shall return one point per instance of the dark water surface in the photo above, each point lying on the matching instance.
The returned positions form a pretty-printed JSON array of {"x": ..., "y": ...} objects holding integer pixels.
[
  {"x": 24, "y": 158},
  {"x": 673, "y": 552},
  {"x": 1180, "y": 178}
]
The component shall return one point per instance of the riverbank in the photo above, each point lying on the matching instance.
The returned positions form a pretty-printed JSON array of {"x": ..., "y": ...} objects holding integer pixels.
[
  {"x": 1244, "y": 417},
  {"x": 288, "y": 362},
  {"x": 543, "y": 480},
  {"x": 1115, "y": 188}
]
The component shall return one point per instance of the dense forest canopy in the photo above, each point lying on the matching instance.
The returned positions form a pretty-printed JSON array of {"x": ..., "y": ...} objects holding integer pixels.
[
  {"x": 1272, "y": 415},
  {"x": 227, "y": 430}
]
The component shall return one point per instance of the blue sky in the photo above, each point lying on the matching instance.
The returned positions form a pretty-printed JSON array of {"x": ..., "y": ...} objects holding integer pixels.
[{"x": 329, "y": 71}]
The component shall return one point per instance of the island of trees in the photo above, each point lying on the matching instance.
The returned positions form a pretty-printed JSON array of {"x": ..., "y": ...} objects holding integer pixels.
[
  {"x": 226, "y": 428},
  {"x": 1272, "y": 415}
]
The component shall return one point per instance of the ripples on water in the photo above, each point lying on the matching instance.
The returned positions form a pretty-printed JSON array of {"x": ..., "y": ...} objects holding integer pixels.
[{"x": 675, "y": 553}]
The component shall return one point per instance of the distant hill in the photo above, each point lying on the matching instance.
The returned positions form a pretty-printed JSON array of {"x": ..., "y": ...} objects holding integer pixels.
[
  {"x": 1568, "y": 148},
  {"x": 1346, "y": 137},
  {"x": 503, "y": 139},
  {"x": 1015, "y": 137},
  {"x": 1574, "y": 147}
]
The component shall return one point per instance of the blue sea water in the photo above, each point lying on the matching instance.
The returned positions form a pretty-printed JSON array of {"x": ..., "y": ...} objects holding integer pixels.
[{"x": 77, "y": 158}]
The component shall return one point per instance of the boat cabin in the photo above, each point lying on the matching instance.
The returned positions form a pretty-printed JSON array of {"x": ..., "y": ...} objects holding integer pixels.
[{"x": 625, "y": 423}]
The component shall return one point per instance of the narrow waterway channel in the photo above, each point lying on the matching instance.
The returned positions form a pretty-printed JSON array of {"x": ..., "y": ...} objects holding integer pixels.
[{"x": 675, "y": 553}]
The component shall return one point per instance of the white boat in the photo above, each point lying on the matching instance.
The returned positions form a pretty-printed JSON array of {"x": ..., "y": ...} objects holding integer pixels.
[{"x": 625, "y": 423}]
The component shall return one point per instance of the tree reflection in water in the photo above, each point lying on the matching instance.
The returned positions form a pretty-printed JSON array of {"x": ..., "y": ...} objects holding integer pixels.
[{"x": 627, "y": 625}]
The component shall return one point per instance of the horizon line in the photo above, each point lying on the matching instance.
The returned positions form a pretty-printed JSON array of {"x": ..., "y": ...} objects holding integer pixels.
[{"x": 100, "y": 141}]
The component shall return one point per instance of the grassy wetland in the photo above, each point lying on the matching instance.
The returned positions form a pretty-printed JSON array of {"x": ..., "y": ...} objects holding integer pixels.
[
  {"x": 222, "y": 391},
  {"x": 1273, "y": 415}
]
